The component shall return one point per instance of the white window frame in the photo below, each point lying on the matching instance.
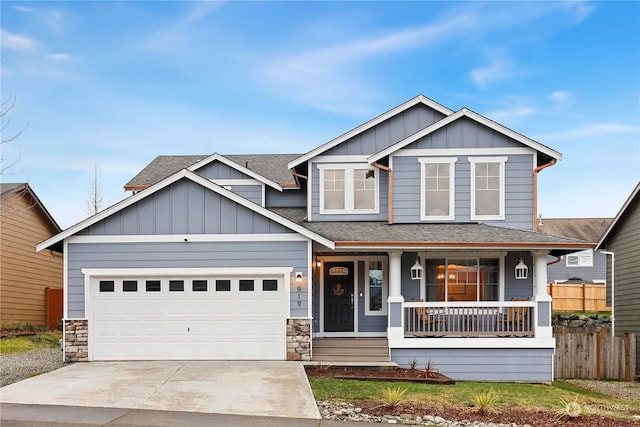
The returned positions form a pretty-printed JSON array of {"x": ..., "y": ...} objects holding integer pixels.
[
  {"x": 579, "y": 255},
  {"x": 501, "y": 196},
  {"x": 385, "y": 287},
  {"x": 348, "y": 169},
  {"x": 452, "y": 176}
]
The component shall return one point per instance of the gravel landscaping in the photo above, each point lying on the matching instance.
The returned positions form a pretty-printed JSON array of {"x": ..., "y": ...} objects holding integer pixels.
[{"x": 18, "y": 366}]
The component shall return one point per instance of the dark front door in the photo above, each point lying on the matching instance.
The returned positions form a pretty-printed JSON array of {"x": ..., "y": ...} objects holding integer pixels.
[{"x": 338, "y": 297}]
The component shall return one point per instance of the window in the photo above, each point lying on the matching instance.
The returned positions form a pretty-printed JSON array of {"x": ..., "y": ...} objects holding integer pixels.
[
  {"x": 246, "y": 285},
  {"x": 487, "y": 187},
  {"x": 153, "y": 285},
  {"x": 107, "y": 286},
  {"x": 349, "y": 188},
  {"x": 580, "y": 259},
  {"x": 270, "y": 285},
  {"x": 437, "y": 188},
  {"x": 176, "y": 285},
  {"x": 199, "y": 286},
  {"x": 473, "y": 279},
  {"x": 223, "y": 285},
  {"x": 376, "y": 289},
  {"x": 129, "y": 286}
]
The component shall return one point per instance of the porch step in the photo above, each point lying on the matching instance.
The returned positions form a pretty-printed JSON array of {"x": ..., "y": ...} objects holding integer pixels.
[{"x": 350, "y": 350}]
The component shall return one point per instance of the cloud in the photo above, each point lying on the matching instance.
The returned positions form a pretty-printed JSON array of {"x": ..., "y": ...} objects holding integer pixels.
[
  {"x": 58, "y": 56},
  {"x": 499, "y": 69},
  {"x": 589, "y": 131},
  {"x": 17, "y": 41},
  {"x": 22, "y": 9},
  {"x": 561, "y": 96},
  {"x": 329, "y": 79}
]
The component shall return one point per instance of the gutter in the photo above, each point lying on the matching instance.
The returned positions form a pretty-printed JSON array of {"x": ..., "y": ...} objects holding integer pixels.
[
  {"x": 535, "y": 191},
  {"x": 390, "y": 196}
]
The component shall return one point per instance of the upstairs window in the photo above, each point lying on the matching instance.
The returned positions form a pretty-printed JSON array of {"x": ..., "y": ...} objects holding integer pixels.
[
  {"x": 580, "y": 259},
  {"x": 487, "y": 188},
  {"x": 437, "y": 188},
  {"x": 348, "y": 189}
]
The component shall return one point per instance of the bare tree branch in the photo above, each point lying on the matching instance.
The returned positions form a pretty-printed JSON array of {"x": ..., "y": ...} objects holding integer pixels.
[{"x": 5, "y": 107}]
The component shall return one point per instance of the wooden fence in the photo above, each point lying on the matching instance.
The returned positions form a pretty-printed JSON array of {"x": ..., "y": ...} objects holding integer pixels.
[
  {"x": 578, "y": 297},
  {"x": 592, "y": 353}
]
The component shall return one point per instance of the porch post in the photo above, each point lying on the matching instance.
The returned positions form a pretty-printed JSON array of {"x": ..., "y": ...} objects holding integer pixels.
[
  {"x": 542, "y": 314},
  {"x": 395, "y": 300}
]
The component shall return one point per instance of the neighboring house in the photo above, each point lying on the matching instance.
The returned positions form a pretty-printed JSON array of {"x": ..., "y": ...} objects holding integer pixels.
[
  {"x": 621, "y": 243},
  {"x": 586, "y": 265},
  {"x": 415, "y": 229},
  {"x": 24, "y": 273}
]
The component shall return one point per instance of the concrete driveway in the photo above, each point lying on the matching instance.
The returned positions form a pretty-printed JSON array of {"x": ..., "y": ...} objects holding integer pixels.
[{"x": 273, "y": 389}]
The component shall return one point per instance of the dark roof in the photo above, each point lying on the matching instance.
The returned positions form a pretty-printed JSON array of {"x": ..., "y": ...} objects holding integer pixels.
[
  {"x": 270, "y": 166},
  {"x": 587, "y": 229},
  {"x": 433, "y": 234}
]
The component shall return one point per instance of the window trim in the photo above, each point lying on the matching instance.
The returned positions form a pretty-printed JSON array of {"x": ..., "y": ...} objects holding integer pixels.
[
  {"x": 579, "y": 264},
  {"x": 502, "y": 160},
  {"x": 452, "y": 176},
  {"x": 349, "y": 193},
  {"x": 385, "y": 287}
]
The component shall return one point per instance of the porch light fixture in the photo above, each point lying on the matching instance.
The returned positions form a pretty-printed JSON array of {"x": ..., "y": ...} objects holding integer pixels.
[
  {"x": 522, "y": 271},
  {"x": 298, "y": 277},
  {"x": 416, "y": 271},
  {"x": 318, "y": 263}
]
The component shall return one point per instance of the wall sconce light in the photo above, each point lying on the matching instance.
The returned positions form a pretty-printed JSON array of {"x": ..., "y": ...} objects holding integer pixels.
[
  {"x": 298, "y": 277},
  {"x": 522, "y": 271},
  {"x": 416, "y": 271},
  {"x": 318, "y": 263}
]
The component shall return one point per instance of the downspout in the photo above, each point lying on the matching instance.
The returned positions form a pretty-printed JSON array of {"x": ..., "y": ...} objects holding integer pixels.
[
  {"x": 555, "y": 261},
  {"x": 613, "y": 289},
  {"x": 535, "y": 191},
  {"x": 297, "y": 175},
  {"x": 390, "y": 196}
]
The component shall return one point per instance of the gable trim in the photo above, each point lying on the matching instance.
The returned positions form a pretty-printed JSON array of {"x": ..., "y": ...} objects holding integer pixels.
[
  {"x": 420, "y": 99},
  {"x": 619, "y": 216},
  {"x": 219, "y": 157},
  {"x": 185, "y": 173},
  {"x": 191, "y": 238},
  {"x": 464, "y": 112}
]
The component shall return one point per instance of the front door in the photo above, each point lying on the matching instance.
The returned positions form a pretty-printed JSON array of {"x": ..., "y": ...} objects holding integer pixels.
[{"x": 338, "y": 296}]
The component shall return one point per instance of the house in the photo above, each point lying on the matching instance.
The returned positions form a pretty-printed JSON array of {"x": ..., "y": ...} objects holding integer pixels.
[
  {"x": 414, "y": 230},
  {"x": 25, "y": 274},
  {"x": 621, "y": 243}
]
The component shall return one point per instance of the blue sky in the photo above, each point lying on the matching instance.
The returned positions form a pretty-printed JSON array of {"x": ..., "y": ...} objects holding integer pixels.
[{"x": 115, "y": 84}]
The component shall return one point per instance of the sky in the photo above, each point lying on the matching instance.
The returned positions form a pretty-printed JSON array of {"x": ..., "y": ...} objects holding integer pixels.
[{"x": 111, "y": 85}]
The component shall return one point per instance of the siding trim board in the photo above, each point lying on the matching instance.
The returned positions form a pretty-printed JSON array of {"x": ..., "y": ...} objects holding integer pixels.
[{"x": 171, "y": 238}]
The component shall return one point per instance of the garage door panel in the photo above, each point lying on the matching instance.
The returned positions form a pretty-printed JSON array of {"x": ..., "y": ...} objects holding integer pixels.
[{"x": 221, "y": 322}]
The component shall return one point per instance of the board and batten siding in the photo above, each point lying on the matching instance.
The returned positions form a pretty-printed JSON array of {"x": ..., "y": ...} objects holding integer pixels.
[
  {"x": 218, "y": 170},
  {"x": 518, "y": 190},
  {"x": 25, "y": 273},
  {"x": 482, "y": 364},
  {"x": 388, "y": 132},
  {"x": 183, "y": 255},
  {"x": 624, "y": 241},
  {"x": 184, "y": 208}
]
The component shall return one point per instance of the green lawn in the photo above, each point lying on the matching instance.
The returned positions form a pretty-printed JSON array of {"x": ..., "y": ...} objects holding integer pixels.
[
  {"x": 520, "y": 395},
  {"x": 30, "y": 342}
]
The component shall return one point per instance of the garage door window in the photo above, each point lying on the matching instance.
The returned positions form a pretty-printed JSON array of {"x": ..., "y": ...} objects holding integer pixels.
[
  {"x": 129, "y": 286},
  {"x": 246, "y": 285},
  {"x": 269, "y": 285},
  {"x": 107, "y": 286},
  {"x": 223, "y": 285},
  {"x": 176, "y": 285},
  {"x": 199, "y": 286},
  {"x": 153, "y": 285}
]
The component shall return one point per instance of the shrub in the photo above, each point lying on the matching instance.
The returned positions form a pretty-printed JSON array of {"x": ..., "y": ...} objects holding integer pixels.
[
  {"x": 393, "y": 396},
  {"x": 485, "y": 401},
  {"x": 569, "y": 409},
  {"x": 430, "y": 371}
]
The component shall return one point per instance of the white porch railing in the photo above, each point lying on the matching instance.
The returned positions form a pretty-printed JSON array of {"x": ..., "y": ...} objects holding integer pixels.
[{"x": 469, "y": 319}]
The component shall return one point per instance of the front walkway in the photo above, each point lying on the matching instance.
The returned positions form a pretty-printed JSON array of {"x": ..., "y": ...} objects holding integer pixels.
[{"x": 273, "y": 389}]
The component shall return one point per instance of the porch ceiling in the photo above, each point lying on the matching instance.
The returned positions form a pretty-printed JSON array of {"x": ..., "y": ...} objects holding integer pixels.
[{"x": 432, "y": 235}]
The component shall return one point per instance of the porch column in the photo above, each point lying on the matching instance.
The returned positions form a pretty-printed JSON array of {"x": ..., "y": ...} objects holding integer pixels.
[
  {"x": 542, "y": 298},
  {"x": 395, "y": 300}
]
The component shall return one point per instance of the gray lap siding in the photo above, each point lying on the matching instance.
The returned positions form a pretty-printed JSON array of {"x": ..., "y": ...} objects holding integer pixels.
[{"x": 184, "y": 255}]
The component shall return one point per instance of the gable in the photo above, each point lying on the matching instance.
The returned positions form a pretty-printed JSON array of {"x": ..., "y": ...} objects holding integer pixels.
[
  {"x": 218, "y": 170},
  {"x": 388, "y": 132},
  {"x": 184, "y": 207}
]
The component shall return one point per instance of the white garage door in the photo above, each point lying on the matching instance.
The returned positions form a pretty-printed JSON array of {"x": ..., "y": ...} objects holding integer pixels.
[{"x": 223, "y": 318}]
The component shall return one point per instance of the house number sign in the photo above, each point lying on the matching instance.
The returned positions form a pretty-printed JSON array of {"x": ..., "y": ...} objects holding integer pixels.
[{"x": 338, "y": 271}]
